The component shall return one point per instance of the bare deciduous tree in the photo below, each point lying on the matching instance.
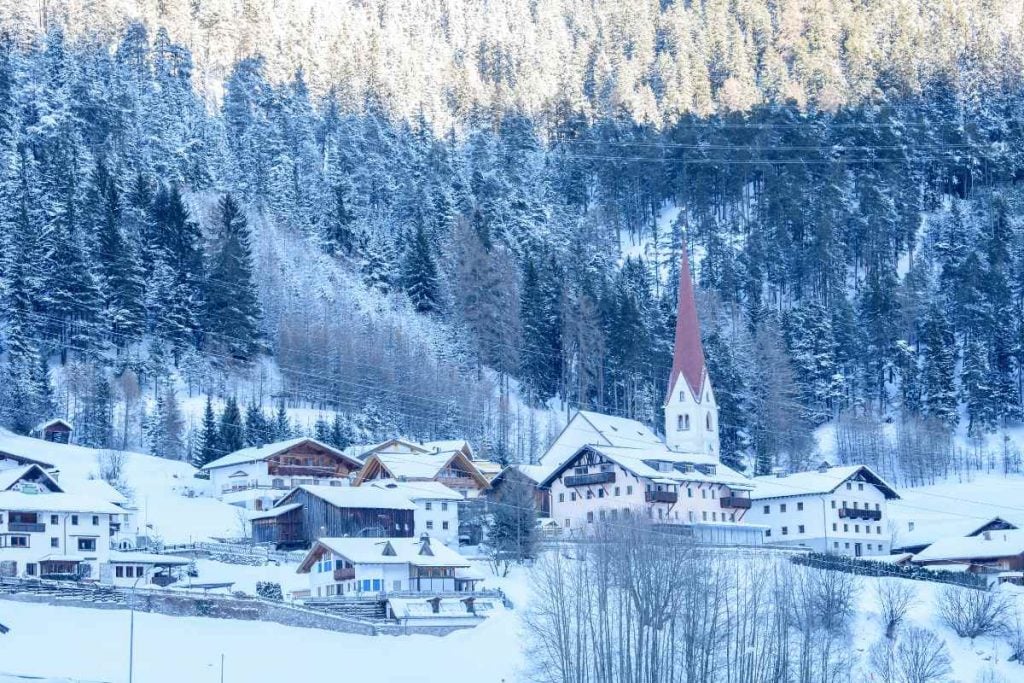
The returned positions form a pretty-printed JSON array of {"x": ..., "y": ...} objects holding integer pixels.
[
  {"x": 918, "y": 656},
  {"x": 971, "y": 613},
  {"x": 895, "y": 598}
]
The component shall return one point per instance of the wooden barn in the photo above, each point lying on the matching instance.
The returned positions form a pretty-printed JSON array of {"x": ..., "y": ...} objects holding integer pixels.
[
  {"x": 56, "y": 430},
  {"x": 311, "y": 512}
]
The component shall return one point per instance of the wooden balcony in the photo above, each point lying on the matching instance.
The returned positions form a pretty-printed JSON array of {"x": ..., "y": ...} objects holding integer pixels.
[
  {"x": 735, "y": 502},
  {"x": 854, "y": 513},
  {"x": 26, "y": 527},
  {"x": 315, "y": 471},
  {"x": 661, "y": 496},
  {"x": 590, "y": 479},
  {"x": 344, "y": 573}
]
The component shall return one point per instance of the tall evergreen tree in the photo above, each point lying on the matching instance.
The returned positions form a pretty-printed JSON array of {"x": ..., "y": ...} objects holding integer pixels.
[
  {"x": 419, "y": 274},
  {"x": 209, "y": 448},
  {"x": 232, "y": 431}
]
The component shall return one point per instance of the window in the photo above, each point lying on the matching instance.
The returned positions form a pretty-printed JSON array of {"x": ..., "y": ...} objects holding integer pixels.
[
  {"x": 835, "y": 545},
  {"x": 600, "y": 514},
  {"x": 682, "y": 397},
  {"x": 785, "y": 531},
  {"x": 590, "y": 518},
  {"x": 566, "y": 522},
  {"x": 616, "y": 490},
  {"x": 444, "y": 507},
  {"x": 767, "y": 533},
  {"x": 800, "y": 529},
  {"x": 600, "y": 493},
  {"x": 30, "y": 569},
  {"x": 835, "y": 527},
  {"x": 95, "y": 520},
  {"x": 849, "y": 486},
  {"x": 881, "y": 548},
  {"x": 119, "y": 571},
  {"x": 689, "y": 493},
  {"x": 860, "y": 487},
  {"x": 782, "y": 507},
  {"x": 869, "y": 546},
  {"x": 704, "y": 515},
  {"x": 428, "y": 505},
  {"x": 703, "y": 493},
  {"x": 430, "y": 524},
  {"x": 54, "y": 542},
  {"x": 377, "y": 584},
  {"x": 714, "y": 516},
  {"x": 444, "y": 525},
  {"x": 833, "y": 504},
  {"x": 572, "y": 496},
  {"x": 74, "y": 520},
  {"x": 732, "y": 516},
  {"x": 707, "y": 420},
  {"x": 846, "y": 545},
  {"x": 856, "y": 528},
  {"x": 129, "y": 571},
  {"x": 629, "y": 490},
  {"x": 366, "y": 585},
  {"x": 87, "y": 544},
  {"x": 878, "y": 530},
  {"x": 854, "y": 505},
  {"x": 53, "y": 519},
  {"x": 712, "y": 493},
  {"x": 846, "y": 528},
  {"x": 18, "y": 541},
  {"x": 878, "y": 507},
  {"x": 767, "y": 509},
  {"x": 561, "y": 497},
  {"x": 799, "y": 507}
]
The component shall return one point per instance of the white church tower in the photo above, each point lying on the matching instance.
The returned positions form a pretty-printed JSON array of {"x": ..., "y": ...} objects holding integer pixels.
[{"x": 691, "y": 414}]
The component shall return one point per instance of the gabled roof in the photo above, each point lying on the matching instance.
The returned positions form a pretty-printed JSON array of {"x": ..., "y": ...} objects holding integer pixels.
[
  {"x": 587, "y": 428},
  {"x": 418, "y": 466},
  {"x": 95, "y": 488},
  {"x": 533, "y": 473},
  {"x": 929, "y": 530},
  {"x": 402, "y": 445},
  {"x": 55, "y": 502},
  {"x": 10, "y": 477},
  {"x": 688, "y": 354},
  {"x": 988, "y": 546},
  {"x": 352, "y": 497},
  {"x": 258, "y": 453},
  {"x": 817, "y": 482},
  {"x": 275, "y": 511},
  {"x": 51, "y": 423},
  {"x": 385, "y": 551},
  {"x": 416, "y": 490},
  {"x": 636, "y": 461},
  {"x": 24, "y": 459}
]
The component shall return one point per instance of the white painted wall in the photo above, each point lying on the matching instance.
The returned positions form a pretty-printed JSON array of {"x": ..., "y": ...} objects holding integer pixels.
[
  {"x": 432, "y": 516},
  {"x": 682, "y": 409},
  {"x": 60, "y": 537},
  {"x": 823, "y": 529}
]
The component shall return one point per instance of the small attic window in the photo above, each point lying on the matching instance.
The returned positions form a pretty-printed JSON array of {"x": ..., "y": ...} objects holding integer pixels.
[
  {"x": 682, "y": 396},
  {"x": 389, "y": 550}
]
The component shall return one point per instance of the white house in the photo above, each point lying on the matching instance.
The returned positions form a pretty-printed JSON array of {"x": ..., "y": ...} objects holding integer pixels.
[
  {"x": 437, "y": 507},
  {"x": 125, "y": 532},
  {"x": 47, "y": 532},
  {"x": 257, "y": 477},
  {"x": 375, "y": 566},
  {"x": 607, "y": 468},
  {"x": 839, "y": 510},
  {"x": 129, "y": 569}
]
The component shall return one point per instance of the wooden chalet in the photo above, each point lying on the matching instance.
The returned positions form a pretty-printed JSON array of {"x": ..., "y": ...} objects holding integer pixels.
[
  {"x": 454, "y": 469},
  {"x": 311, "y": 512},
  {"x": 530, "y": 476}
]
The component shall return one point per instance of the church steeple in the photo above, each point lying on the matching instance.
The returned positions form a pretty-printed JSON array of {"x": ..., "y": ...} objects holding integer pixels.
[{"x": 691, "y": 414}]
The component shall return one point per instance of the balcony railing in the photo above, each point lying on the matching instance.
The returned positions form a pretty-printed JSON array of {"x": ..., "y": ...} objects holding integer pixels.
[
  {"x": 302, "y": 471},
  {"x": 344, "y": 573},
  {"x": 735, "y": 502},
  {"x": 854, "y": 513},
  {"x": 661, "y": 496},
  {"x": 26, "y": 527},
  {"x": 589, "y": 479}
]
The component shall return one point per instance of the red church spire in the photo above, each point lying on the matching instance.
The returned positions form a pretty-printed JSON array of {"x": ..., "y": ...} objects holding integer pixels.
[{"x": 688, "y": 355}]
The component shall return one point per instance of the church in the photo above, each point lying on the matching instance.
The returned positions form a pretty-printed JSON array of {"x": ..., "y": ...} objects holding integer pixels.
[{"x": 606, "y": 468}]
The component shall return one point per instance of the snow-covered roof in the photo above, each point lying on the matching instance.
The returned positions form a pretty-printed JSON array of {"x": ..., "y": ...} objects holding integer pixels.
[
  {"x": 488, "y": 468},
  {"x": 147, "y": 558},
  {"x": 416, "y": 490},
  {"x": 413, "y": 466},
  {"x": 422, "y": 608},
  {"x": 637, "y": 461},
  {"x": 95, "y": 488},
  {"x": 535, "y": 473},
  {"x": 258, "y": 453},
  {"x": 988, "y": 545},
  {"x": 50, "y": 423},
  {"x": 928, "y": 530},
  {"x": 275, "y": 511},
  {"x": 359, "y": 497},
  {"x": 55, "y": 502},
  {"x": 587, "y": 428},
  {"x": 13, "y": 475},
  {"x": 816, "y": 482},
  {"x": 372, "y": 551}
]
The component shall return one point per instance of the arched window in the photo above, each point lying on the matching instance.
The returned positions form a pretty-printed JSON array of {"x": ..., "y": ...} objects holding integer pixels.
[
  {"x": 682, "y": 423},
  {"x": 682, "y": 396},
  {"x": 708, "y": 421}
]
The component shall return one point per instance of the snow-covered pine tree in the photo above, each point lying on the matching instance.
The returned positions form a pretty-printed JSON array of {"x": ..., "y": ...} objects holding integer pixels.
[{"x": 231, "y": 429}]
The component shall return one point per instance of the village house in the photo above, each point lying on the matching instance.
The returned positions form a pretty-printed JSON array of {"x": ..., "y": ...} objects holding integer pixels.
[
  {"x": 913, "y": 536},
  {"x": 453, "y": 468},
  {"x": 998, "y": 554},
  {"x": 437, "y": 507},
  {"x": 840, "y": 510},
  {"x": 606, "y": 468},
  {"x": 48, "y": 533},
  {"x": 307, "y": 513},
  {"x": 256, "y": 477},
  {"x": 361, "y": 566},
  {"x": 56, "y": 431},
  {"x": 129, "y": 569}
]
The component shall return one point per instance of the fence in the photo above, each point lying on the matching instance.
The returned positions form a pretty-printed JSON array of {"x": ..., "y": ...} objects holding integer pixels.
[{"x": 879, "y": 568}]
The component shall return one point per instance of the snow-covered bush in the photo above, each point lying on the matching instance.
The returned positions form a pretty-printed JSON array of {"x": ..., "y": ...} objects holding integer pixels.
[{"x": 972, "y": 613}]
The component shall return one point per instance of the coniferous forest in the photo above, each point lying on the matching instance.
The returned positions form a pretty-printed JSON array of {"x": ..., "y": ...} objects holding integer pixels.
[{"x": 427, "y": 260}]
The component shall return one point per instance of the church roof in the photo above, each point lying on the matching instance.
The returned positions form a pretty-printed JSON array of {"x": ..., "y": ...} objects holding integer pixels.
[{"x": 688, "y": 355}]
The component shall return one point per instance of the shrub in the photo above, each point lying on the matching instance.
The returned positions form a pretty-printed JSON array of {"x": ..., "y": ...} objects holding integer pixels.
[
  {"x": 972, "y": 613},
  {"x": 269, "y": 590}
]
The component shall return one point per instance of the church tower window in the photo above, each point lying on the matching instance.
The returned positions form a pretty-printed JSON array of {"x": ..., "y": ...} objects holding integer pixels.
[{"x": 707, "y": 421}]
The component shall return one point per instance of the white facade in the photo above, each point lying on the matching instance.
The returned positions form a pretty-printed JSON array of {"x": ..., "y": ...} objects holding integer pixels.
[
  {"x": 847, "y": 515},
  {"x": 250, "y": 485},
  {"x": 691, "y": 420},
  {"x": 36, "y": 539},
  {"x": 437, "y": 507}
]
